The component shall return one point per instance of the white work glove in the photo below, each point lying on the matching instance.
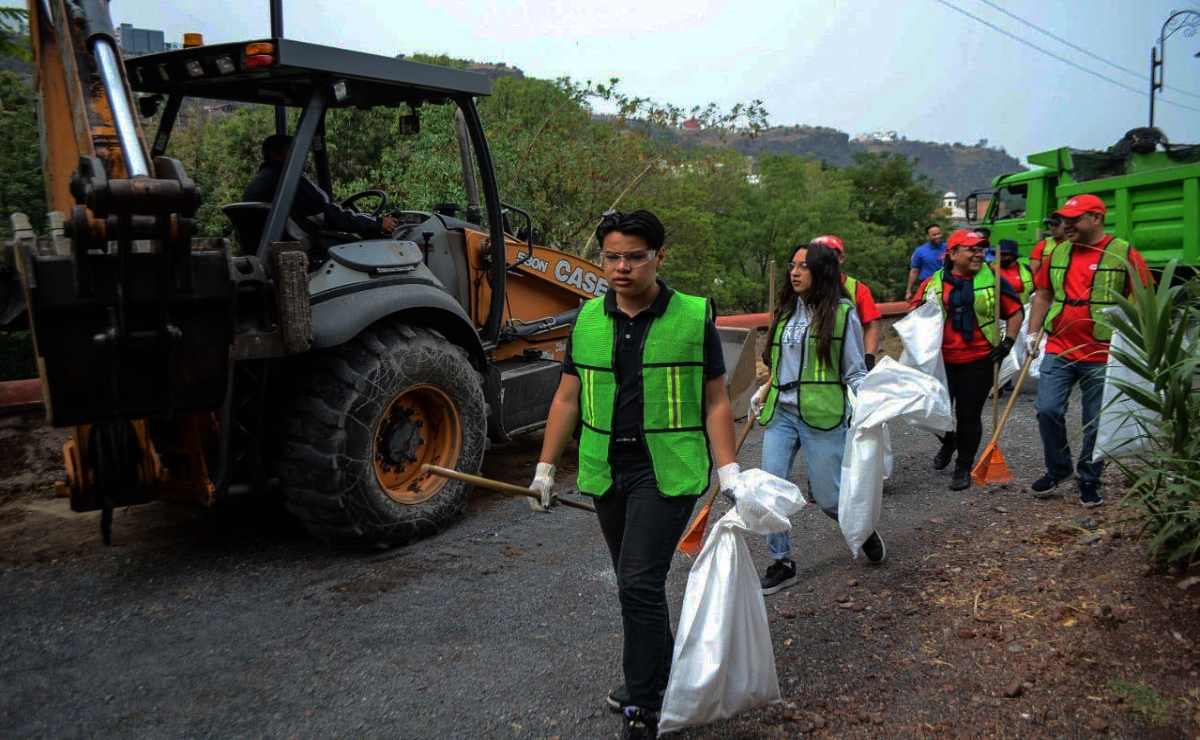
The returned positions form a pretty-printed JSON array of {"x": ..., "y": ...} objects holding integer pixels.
[
  {"x": 543, "y": 483},
  {"x": 758, "y": 400},
  {"x": 728, "y": 475},
  {"x": 1033, "y": 344}
]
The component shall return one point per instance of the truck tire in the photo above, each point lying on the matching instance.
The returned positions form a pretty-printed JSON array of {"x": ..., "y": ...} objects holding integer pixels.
[{"x": 363, "y": 419}]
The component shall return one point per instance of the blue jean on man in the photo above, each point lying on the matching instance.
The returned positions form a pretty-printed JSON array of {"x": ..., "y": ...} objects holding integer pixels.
[
  {"x": 786, "y": 434},
  {"x": 1058, "y": 377}
]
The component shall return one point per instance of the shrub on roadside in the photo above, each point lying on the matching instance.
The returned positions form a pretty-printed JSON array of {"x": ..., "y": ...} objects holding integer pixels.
[{"x": 1161, "y": 323}]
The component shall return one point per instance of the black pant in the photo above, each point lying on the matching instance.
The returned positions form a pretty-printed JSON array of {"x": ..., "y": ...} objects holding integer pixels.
[
  {"x": 642, "y": 527},
  {"x": 969, "y": 385}
]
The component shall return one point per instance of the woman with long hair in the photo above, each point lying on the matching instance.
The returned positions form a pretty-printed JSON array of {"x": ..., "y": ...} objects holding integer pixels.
[{"x": 815, "y": 356}]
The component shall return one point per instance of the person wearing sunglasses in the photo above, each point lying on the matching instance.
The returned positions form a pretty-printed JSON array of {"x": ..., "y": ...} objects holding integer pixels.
[
  {"x": 1074, "y": 286},
  {"x": 971, "y": 343},
  {"x": 1055, "y": 234},
  {"x": 644, "y": 375},
  {"x": 815, "y": 357}
]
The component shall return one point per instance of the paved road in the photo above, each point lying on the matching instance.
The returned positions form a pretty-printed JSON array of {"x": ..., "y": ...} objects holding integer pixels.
[{"x": 506, "y": 625}]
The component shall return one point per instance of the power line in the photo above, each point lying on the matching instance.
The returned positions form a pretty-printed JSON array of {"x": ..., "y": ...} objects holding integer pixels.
[
  {"x": 1076, "y": 47},
  {"x": 1062, "y": 59}
]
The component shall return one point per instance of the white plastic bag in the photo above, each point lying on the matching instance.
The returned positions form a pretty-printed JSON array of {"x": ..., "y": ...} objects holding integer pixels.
[
  {"x": 724, "y": 662},
  {"x": 1011, "y": 367},
  {"x": 1124, "y": 425},
  {"x": 891, "y": 391},
  {"x": 921, "y": 333}
]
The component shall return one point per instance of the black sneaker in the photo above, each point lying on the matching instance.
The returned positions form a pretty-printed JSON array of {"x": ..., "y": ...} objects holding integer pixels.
[
  {"x": 639, "y": 724},
  {"x": 1089, "y": 495},
  {"x": 961, "y": 480},
  {"x": 1044, "y": 487},
  {"x": 944, "y": 455},
  {"x": 779, "y": 576},
  {"x": 617, "y": 698},
  {"x": 874, "y": 549}
]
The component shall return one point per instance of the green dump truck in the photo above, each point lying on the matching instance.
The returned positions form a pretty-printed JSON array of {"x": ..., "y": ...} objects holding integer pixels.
[{"x": 1151, "y": 189}]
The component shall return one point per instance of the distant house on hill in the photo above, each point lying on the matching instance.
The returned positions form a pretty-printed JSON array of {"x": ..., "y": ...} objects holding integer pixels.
[
  {"x": 951, "y": 204},
  {"x": 690, "y": 124}
]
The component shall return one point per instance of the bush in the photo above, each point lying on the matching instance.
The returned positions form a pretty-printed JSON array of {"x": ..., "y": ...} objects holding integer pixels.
[{"x": 1161, "y": 324}]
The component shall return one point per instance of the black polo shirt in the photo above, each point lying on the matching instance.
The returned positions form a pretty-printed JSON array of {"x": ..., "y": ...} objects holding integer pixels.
[{"x": 629, "y": 334}]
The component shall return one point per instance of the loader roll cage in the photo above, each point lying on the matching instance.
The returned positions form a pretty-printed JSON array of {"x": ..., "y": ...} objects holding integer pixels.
[{"x": 315, "y": 78}]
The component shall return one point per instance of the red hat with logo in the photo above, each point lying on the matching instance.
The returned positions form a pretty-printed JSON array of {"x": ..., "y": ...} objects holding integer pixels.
[
  {"x": 965, "y": 238},
  {"x": 831, "y": 241},
  {"x": 1080, "y": 204}
]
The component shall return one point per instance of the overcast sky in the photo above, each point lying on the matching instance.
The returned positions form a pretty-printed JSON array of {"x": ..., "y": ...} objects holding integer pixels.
[{"x": 915, "y": 66}]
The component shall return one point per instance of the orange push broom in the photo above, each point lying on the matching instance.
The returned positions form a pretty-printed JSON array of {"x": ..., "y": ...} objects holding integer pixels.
[
  {"x": 693, "y": 538},
  {"x": 991, "y": 467}
]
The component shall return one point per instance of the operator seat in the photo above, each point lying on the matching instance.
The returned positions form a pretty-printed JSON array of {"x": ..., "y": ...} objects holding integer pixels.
[{"x": 249, "y": 218}]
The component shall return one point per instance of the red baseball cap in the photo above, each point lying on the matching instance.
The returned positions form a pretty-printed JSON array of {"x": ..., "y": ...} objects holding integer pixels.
[
  {"x": 965, "y": 238},
  {"x": 1080, "y": 204},
  {"x": 831, "y": 241}
]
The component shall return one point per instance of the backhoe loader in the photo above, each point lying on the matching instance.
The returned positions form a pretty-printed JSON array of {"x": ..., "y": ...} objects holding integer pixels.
[{"x": 319, "y": 364}]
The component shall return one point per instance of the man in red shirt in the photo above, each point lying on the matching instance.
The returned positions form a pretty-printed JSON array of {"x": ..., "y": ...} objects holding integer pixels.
[
  {"x": 1074, "y": 285},
  {"x": 857, "y": 290},
  {"x": 971, "y": 343},
  {"x": 1057, "y": 235}
]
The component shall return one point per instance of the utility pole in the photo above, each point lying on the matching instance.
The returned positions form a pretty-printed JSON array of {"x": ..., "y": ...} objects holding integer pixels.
[
  {"x": 277, "y": 33},
  {"x": 1189, "y": 23}
]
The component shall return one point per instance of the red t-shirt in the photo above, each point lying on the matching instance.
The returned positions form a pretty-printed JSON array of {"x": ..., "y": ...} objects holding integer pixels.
[
  {"x": 1073, "y": 338},
  {"x": 1038, "y": 248},
  {"x": 955, "y": 349},
  {"x": 864, "y": 302}
]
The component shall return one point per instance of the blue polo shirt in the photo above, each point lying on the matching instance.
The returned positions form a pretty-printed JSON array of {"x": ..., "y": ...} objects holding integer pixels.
[{"x": 927, "y": 259}]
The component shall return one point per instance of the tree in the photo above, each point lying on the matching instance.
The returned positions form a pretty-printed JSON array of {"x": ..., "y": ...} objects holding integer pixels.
[
  {"x": 887, "y": 192},
  {"x": 21, "y": 186}
]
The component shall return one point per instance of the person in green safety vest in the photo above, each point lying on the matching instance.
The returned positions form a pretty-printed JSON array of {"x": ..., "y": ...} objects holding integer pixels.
[
  {"x": 1074, "y": 286},
  {"x": 644, "y": 377},
  {"x": 815, "y": 355},
  {"x": 1056, "y": 233},
  {"x": 971, "y": 343}
]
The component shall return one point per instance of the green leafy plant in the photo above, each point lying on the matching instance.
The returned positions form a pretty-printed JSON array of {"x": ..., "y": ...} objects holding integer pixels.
[
  {"x": 1160, "y": 323},
  {"x": 1143, "y": 700}
]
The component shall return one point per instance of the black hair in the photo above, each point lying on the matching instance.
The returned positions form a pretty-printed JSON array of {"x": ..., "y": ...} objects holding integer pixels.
[
  {"x": 930, "y": 226},
  {"x": 642, "y": 224},
  {"x": 822, "y": 298},
  {"x": 275, "y": 144}
]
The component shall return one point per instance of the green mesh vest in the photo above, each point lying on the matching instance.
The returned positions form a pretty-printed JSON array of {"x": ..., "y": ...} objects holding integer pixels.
[
  {"x": 820, "y": 393},
  {"x": 672, "y": 393},
  {"x": 1026, "y": 281},
  {"x": 984, "y": 285},
  {"x": 1108, "y": 282},
  {"x": 850, "y": 288}
]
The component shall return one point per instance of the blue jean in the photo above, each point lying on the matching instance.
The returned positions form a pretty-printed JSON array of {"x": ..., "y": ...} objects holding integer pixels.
[
  {"x": 822, "y": 456},
  {"x": 1058, "y": 377}
]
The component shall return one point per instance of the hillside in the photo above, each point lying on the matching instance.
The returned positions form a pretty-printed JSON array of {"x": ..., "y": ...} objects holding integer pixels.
[{"x": 954, "y": 167}]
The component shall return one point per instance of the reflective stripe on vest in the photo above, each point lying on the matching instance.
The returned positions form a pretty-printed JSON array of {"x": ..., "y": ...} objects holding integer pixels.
[
  {"x": 984, "y": 286},
  {"x": 820, "y": 392},
  {"x": 1108, "y": 282},
  {"x": 672, "y": 392}
]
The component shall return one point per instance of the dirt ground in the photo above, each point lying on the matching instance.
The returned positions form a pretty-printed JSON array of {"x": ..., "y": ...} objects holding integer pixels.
[{"x": 996, "y": 615}]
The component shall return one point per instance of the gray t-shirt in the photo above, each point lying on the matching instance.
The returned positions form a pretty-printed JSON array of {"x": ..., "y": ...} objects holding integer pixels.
[{"x": 854, "y": 364}]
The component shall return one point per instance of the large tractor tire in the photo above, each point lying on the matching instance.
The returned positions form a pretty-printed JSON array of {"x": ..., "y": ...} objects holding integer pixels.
[{"x": 365, "y": 418}]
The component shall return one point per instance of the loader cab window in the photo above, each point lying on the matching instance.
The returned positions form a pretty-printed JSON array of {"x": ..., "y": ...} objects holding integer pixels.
[{"x": 1010, "y": 202}]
